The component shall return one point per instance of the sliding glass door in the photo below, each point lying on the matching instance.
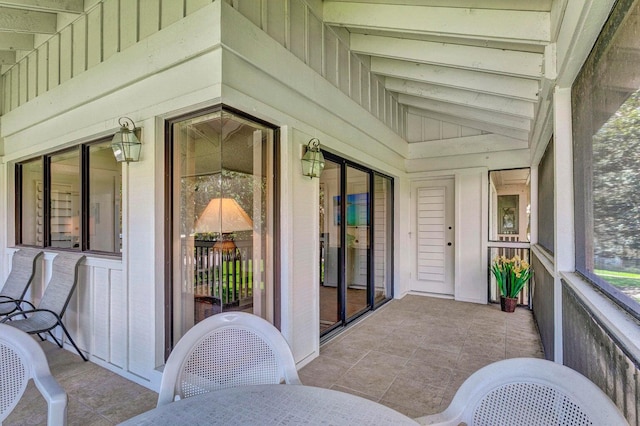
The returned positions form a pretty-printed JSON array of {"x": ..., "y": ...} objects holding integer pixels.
[{"x": 355, "y": 242}]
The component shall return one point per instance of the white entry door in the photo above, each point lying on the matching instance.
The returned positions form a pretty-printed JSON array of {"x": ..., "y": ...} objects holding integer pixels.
[{"x": 432, "y": 236}]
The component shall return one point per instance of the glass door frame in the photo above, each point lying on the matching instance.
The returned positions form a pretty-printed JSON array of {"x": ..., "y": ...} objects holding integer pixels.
[
  {"x": 343, "y": 320},
  {"x": 169, "y": 216}
]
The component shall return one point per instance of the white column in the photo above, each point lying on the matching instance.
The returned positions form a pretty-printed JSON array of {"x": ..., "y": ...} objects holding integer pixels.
[{"x": 564, "y": 239}]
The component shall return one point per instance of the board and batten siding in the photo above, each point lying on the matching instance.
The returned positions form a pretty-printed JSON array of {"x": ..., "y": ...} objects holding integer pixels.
[
  {"x": 112, "y": 26},
  {"x": 96, "y": 316},
  {"x": 107, "y": 28}
]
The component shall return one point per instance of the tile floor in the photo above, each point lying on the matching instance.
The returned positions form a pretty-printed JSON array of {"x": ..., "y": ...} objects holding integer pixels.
[{"x": 411, "y": 355}]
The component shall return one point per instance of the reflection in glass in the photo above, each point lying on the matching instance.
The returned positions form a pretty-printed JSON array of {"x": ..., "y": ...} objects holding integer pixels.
[
  {"x": 330, "y": 249},
  {"x": 357, "y": 222},
  {"x": 32, "y": 203},
  {"x": 105, "y": 206},
  {"x": 509, "y": 205},
  {"x": 222, "y": 218},
  {"x": 65, "y": 199},
  {"x": 382, "y": 238}
]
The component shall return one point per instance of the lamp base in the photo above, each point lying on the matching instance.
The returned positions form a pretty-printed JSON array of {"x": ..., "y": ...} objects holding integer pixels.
[{"x": 228, "y": 249}]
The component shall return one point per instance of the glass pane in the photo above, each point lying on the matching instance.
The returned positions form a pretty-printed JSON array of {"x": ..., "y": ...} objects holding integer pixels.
[
  {"x": 32, "y": 219},
  {"x": 223, "y": 218},
  {"x": 105, "y": 207},
  {"x": 509, "y": 205},
  {"x": 606, "y": 135},
  {"x": 357, "y": 221},
  {"x": 330, "y": 249},
  {"x": 382, "y": 238},
  {"x": 65, "y": 199}
]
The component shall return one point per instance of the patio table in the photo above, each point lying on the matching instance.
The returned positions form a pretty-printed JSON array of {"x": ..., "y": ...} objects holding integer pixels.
[{"x": 272, "y": 405}]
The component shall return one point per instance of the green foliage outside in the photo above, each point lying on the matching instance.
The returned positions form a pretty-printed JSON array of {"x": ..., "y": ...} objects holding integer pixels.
[
  {"x": 616, "y": 176},
  {"x": 627, "y": 282}
]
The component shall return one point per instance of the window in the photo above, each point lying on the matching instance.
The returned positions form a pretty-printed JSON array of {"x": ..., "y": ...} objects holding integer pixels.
[
  {"x": 545, "y": 199},
  {"x": 220, "y": 203},
  {"x": 606, "y": 126},
  {"x": 71, "y": 199},
  {"x": 509, "y": 205}
]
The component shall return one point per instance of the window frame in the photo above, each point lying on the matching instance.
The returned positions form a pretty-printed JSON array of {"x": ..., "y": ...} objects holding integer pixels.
[
  {"x": 583, "y": 163},
  {"x": 84, "y": 172}
]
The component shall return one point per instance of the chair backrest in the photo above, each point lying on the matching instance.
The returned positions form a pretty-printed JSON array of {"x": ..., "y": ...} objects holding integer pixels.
[
  {"x": 64, "y": 277},
  {"x": 227, "y": 350},
  {"x": 528, "y": 391},
  {"x": 21, "y": 359},
  {"x": 23, "y": 271}
]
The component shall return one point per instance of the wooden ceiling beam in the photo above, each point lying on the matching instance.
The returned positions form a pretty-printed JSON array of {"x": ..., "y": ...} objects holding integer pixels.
[
  {"x": 27, "y": 21},
  {"x": 493, "y": 118},
  {"x": 513, "y": 25},
  {"x": 500, "y": 61},
  {"x": 503, "y": 105},
  {"x": 474, "y": 124},
  {"x": 507, "y": 86},
  {"x": 68, "y": 6}
]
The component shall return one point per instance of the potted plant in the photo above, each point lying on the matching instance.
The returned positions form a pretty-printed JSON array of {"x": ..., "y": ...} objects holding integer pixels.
[{"x": 511, "y": 276}]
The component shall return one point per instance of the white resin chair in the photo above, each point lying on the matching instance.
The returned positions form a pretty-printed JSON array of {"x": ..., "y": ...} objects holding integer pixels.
[
  {"x": 23, "y": 270},
  {"x": 227, "y": 350},
  {"x": 21, "y": 359},
  {"x": 528, "y": 391}
]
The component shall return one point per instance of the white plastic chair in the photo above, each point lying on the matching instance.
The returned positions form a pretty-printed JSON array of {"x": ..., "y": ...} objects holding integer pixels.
[
  {"x": 528, "y": 392},
  {"x": 227, "y": 350},
  {"x": 21, "y": 359}
]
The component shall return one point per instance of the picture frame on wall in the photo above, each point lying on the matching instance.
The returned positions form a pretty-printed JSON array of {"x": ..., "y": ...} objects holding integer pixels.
[{"x": 508, "y": 214}]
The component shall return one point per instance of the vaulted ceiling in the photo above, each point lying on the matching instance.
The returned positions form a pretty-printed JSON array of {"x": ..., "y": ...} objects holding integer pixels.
[
  {"x": 25, "y": 24},
  {"x": 475, "y": 63}
]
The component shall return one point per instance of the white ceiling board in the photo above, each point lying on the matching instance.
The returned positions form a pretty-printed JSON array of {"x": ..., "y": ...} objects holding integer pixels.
[
  {"x": 474, "y": 124},
  {"x": 500, "y": 61},
  {"x": 70, "y": 6},
  {"x": 513, "y": 87},
  {"x": 498, "y": 119},
  {"x": 513, "y": 25},
  {"x": 483, "y": 101}
]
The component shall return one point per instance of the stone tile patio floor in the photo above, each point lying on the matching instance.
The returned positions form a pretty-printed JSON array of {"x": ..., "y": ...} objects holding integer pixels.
[{"x": 411, "y": 355}]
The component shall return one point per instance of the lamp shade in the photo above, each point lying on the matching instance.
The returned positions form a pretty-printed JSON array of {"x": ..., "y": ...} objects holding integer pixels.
[{"x": 223, "y": 215}]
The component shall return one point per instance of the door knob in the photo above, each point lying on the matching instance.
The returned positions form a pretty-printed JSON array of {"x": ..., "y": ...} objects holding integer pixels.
[{"x": 448, "y": 244}]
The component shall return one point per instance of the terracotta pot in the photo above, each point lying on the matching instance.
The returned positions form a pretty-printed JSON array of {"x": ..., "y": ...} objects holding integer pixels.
[{"x": 508, "y": 304}]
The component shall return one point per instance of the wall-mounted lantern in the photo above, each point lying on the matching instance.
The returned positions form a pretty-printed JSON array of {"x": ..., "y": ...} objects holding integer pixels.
[
  {"x": 312, "y": 160},
  {"x": 125, "y": 144}
]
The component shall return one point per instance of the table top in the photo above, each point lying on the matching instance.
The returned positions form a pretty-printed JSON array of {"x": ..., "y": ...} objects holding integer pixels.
[{"x": 272, "y": 405}]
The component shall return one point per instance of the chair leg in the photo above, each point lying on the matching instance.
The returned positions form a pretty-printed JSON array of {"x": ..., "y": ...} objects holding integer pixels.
[
  {"x": 59, "y": 343},
  {"x": 71, "y": 340}
]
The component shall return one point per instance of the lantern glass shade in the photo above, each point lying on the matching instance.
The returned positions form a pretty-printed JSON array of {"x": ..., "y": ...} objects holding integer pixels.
[
  {"x": 312, "y": 162},
  {"x": 126, "y": 146}
]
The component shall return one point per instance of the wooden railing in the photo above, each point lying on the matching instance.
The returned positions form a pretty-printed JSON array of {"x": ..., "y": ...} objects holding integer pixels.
[{"x": 220, "y": 277}]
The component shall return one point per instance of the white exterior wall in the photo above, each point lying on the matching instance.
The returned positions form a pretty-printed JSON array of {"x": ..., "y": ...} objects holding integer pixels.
[
  {"x": 187, "y": 66},
  {"x": 117, "y": 310}
]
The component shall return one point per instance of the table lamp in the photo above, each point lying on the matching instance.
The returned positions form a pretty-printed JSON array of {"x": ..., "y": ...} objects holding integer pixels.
[{"x": 224, "y": 216}]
